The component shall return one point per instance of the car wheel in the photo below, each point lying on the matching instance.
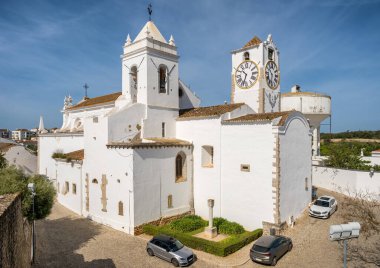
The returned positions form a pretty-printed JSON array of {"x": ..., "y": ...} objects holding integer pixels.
[
  {"x": 274, "y": 261},
  {"x": 150, "y": 252},
  {"x": 175, "y": 262},
  {"x": 290, "y": 247}
]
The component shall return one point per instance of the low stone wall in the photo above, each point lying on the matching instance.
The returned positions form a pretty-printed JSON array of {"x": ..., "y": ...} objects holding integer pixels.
[
  {"x": 15, "y": 233},
  {"x": 139, "y": 229}
]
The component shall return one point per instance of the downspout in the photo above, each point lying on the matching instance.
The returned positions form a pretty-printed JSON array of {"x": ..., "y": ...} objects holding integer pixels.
[
  {"x": 192, "y": 210},
  {"x": 81, "y": 189}
]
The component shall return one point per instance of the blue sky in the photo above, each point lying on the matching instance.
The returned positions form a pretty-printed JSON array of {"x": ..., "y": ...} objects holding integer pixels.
[{"x": 49, "y": 49}]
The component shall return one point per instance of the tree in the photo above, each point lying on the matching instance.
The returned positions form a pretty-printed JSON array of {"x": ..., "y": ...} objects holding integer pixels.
[
  {"x": 365, "y": 209},
  {"x": 344, "y": 157},
  {"x": 13, "y": 180},
  {"x": 3, "y": 161}
]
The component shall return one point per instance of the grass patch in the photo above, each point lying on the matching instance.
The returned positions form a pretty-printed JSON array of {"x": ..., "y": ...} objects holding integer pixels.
[{"x": 221, "y": 248}]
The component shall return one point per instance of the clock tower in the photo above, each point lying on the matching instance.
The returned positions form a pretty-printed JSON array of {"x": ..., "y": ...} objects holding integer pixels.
[{"x": 256, "y": 75}]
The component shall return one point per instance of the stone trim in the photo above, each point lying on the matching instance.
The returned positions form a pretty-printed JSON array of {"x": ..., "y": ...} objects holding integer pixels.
[
  {"x": 278, "y": 227},
  {"x": 138, "y": 230},
  {"x": 261, "y": 100},
  {"x": 232, "y": 97},
  {"x": 276, "y": 180}
]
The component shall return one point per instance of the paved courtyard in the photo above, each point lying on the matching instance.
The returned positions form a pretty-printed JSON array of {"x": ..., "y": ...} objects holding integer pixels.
[{"x": 67, "y": 240}]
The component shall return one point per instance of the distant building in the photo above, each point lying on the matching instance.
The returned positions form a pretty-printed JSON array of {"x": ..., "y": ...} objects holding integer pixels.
[
  {"x": 5, "y": 133},
  {"x": 22, "y": 134}
]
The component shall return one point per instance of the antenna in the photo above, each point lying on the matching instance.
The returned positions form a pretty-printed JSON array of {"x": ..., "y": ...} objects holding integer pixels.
[
  {"x": 150, "y": 11},
  {"x": 85, "y": 86}
]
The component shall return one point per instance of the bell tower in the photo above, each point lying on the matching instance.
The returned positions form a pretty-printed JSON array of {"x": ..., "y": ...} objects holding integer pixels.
[
  {"x": 255, "y": 76},
  {"x": 150, "y": 69}
]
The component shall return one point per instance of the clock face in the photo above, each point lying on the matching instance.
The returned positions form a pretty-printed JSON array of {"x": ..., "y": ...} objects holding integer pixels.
[
  {"x": 246, "y": 74},
  {"x": 272, "y": 74}
]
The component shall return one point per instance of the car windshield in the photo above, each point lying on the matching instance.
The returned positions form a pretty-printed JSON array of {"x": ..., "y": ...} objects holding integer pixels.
[
  {"x": 175, "y": 245},
  {"x": 321, "y": 203}
]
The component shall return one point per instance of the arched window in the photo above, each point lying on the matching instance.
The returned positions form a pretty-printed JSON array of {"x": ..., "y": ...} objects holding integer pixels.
[
  {"x": 121, "y": 209},
  {"x": 95, "y": 181},
  {"x": 246, "y": 55},
  {"x": 180, "y": 167},
  {"x": 163, "y": 79},
  {"x": 133, "y": 83}
]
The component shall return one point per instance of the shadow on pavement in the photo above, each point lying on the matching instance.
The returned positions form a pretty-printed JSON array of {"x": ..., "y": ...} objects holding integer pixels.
[{"x": 58, "y": 239}]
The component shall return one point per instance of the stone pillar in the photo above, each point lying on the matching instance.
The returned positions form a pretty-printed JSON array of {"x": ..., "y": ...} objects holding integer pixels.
[
  {"x": 315, "y": 144},
  {"x": 210, "y": 231}
]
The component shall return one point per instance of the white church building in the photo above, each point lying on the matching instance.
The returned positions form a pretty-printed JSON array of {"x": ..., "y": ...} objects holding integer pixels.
[{"x": 150, "y": 151}]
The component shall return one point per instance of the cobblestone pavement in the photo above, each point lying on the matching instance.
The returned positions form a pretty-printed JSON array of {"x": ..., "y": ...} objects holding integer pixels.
[{"x": 67, "y": 240}]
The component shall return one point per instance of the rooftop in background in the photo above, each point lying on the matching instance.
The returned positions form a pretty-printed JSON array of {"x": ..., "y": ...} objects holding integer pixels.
[
  {"x": 210, "y": 111},
  {"x": 109, "y": 98},
  {"x": 262, "y": 117}
]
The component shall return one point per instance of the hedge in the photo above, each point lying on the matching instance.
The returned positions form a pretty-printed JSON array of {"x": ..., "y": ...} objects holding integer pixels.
[
  {"x": 222, "y": 248},
  {"x": 188, "y": 224}
]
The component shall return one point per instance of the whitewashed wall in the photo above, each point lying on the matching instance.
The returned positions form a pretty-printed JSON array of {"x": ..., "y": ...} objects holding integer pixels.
[
  {"x": 154, "y": 180},
  {"x": 341, "y": 179},
  {"x": 22, "y": 159},
  {"x": 374, "y": 160},
  {"x": 295, "y": 166},
  {"x": 247, "y": 196},
  {"x": 50, "y": 143},
  {"x": 153, "y": 123},
  {"x": 71, "y": 173}
]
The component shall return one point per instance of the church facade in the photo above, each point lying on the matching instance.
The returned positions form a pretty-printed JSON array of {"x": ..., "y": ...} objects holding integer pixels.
[{"x": 150, "y": 151}]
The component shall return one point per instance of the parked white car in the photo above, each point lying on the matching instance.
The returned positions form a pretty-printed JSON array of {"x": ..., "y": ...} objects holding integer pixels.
[{"x": 323, "y": 207}]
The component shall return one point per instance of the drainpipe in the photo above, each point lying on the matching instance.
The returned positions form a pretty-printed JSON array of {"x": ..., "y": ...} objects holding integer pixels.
[
  {"x": 81, "y": 189},
  {"x": 192, "y": 182}
]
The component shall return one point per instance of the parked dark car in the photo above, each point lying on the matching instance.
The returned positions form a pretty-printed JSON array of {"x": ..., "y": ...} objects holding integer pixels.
[
  {"x": 171, "y": 250},
  {"x": 269, "y": 249}
]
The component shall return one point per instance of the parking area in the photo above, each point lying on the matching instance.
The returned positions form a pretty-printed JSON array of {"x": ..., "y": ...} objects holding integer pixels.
[{"x": 67, "y": 240}]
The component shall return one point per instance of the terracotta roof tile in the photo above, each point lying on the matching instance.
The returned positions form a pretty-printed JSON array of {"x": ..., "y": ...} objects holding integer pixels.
[
  {"x": 75, "y": 155},
  {"x": 97, "y": 100},
  {"x": 262, "y": 117},
  {"x": 253, "y": 42},
  {"x": 149, "y": 143},
  {"x": 210, "y": 111}
]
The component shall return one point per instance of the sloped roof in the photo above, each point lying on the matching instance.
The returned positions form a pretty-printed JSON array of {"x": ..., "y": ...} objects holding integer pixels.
[
  {"x": 262, "y": 117},
  {"x": 75, "y": 155},
  {"x": 150, "y": 143},
  {"x": 209, "y": 111},
  {"x": 153, "y": 32},
  {"x": 253, "y": 42},
  {"x": 4, "y": 147},
  {"x": 97, "y": 100}
]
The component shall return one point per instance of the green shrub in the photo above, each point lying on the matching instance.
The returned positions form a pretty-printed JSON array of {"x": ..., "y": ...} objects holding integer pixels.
[
  {"x": 222, "y": 248},
  {"x": 217, "y": 221},
  {"x": 59, "y": 155},
  {"x": 230, "y": 228},
  {"x": 188, "y": 224}
]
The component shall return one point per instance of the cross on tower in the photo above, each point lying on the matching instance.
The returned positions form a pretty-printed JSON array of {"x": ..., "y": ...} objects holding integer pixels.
[
  {"x": 150, "y": 10},
  {"x": 85, "y": 90}
]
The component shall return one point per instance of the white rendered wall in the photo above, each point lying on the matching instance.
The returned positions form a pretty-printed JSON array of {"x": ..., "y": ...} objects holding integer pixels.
[
  {"x": 374, "y": 160},
  {"x": 71, "y": 173},
  {"x": 153, "y": 123},
  {"x": 154, "y": 180},
  {"x": 295, "y": 166},
  {"x": 21, "y": 158},
  {"x": 341, "y": 180},
  {"x": 247, "y": 196},
  {"x": 206, "y": 179},
  {"x": 126, "y": 123},
  {"x": 50, "y": 143}
]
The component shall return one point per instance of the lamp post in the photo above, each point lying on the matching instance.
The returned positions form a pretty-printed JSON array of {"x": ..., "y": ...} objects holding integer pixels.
[{"x": 31, "y": 188}]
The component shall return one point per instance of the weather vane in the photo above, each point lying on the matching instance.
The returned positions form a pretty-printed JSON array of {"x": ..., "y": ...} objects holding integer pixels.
[
  {"x": 150, "y": 10},
  {"x": 85, "y": 90}
]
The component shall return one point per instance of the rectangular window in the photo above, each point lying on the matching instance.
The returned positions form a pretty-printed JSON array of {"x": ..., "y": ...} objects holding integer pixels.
[
  {"x": 163, "y": 129},
  {"x": 74, "y": 188},
  {"x": 207, "y": 156},
  {"x": 170, "y": 201},
  {"x": 270, "y": 54},
  {"x": 95, "y": 119},
  {"x": 67, "y": 187},
  {"x": 306, "y": 184},
  {"x": 245, "y": 168}
]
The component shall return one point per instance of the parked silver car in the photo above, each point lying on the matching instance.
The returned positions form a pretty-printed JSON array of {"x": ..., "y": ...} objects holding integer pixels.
[
  {"x": 323, "y": 207},
  {"x": 268, "y": 249},
  {"x": 171, "y": 250}
]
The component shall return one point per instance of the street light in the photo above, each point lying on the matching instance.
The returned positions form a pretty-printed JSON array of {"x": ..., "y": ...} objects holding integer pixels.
[
  {"x": 32, "y": 190},
  {"x": 344, "y": 232}
]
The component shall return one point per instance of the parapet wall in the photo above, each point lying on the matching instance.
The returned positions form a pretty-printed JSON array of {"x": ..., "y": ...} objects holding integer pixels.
[{"x": 15, "y": 233}]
